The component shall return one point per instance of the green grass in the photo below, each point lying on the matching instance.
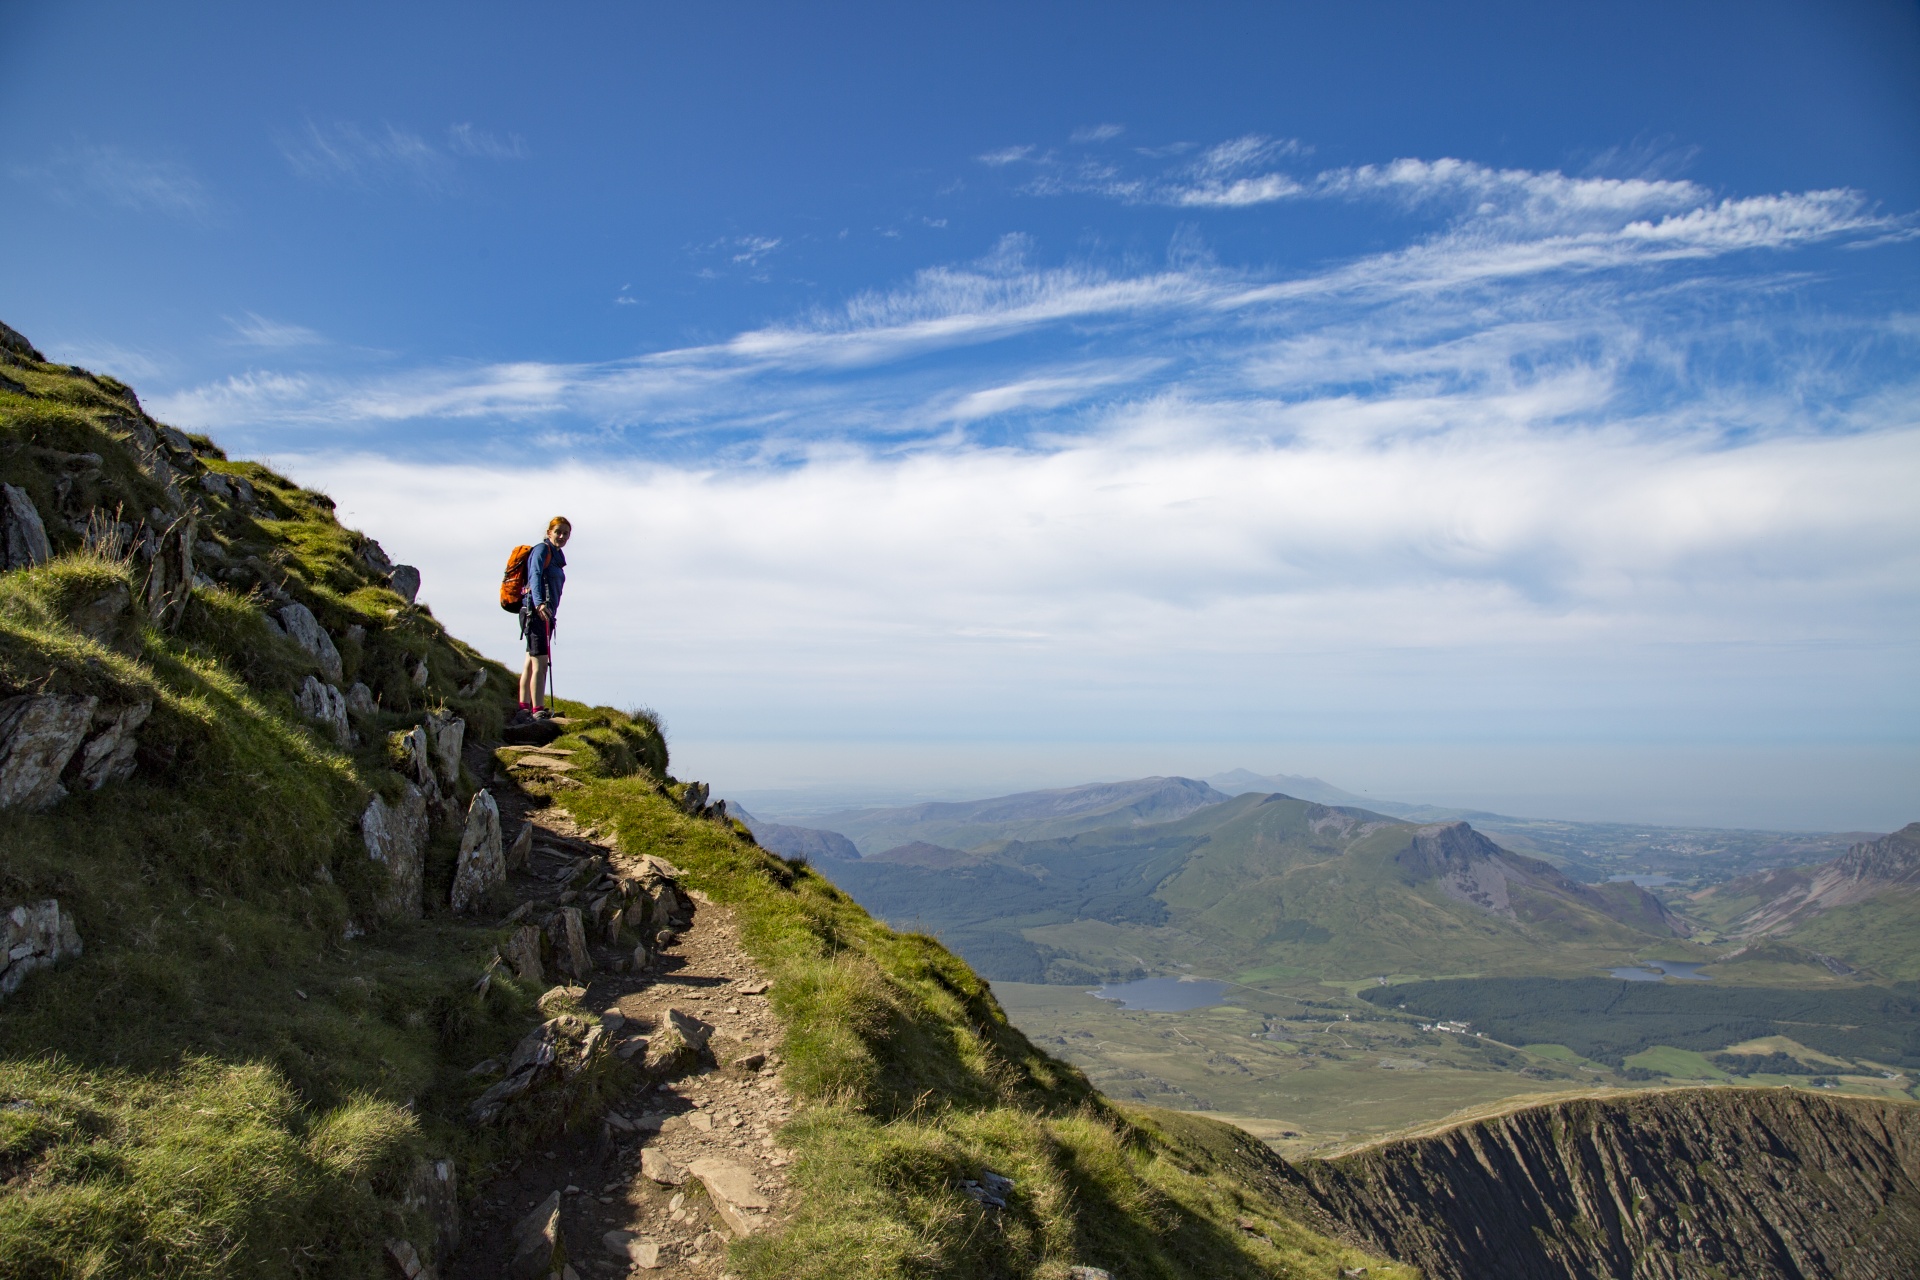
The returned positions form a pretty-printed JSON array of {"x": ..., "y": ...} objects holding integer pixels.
[{"x": 1676, "y": 1064}]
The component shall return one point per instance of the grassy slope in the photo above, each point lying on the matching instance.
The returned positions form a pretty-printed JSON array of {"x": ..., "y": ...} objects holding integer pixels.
[
  {"x": 226, "y": 1085},
  {"x": 223, "y": 1084}
]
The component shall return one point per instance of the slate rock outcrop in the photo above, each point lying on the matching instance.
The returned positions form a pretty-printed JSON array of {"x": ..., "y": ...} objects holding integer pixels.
[
  {"x": 52, "y": 742},
  {"x": 1771, "y": 1184},
  {"x": 23, "y": 537},
  {"x": 396, "y": 837},
  {"x": 34, "y": 936},
  {"x": 483, "y": 864}
]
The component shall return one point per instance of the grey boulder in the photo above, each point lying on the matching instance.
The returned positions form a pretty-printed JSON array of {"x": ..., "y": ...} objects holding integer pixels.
[
  {"x": 39, "y": 733},
  {"x": 23, "y": 538},
  {"x": 305, "y": 630}
]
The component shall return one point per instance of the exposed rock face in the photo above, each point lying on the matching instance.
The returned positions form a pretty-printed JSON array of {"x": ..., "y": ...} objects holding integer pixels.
[
  {"x": 109, "y": 755},
  {"x": 169, "y": 583},
  {"x": 38, "y": 735},
  {"x": 434, "y": 1191},
  {"x": 483, "y": 863},
  {"x": 539, "y": 1248},
  {"x": 405, "y": 580},
  {"x": 305, "y": 630},
  {"x": 420, "y": 759},
  {"x": 552, "y": 1052},
  {"x": 522, "y": 953},
  {"x": 13, "y": 340},
  {"x": 325, "y": 703},
  {"x": 104, "y": 617},
  {"x": 23, "y": 538},
  {"x": 34, "y": 937},
  {"x": 396, "y": 838},
  {"x": 568, "y": 934},
  {"x": 446, "y": 733},
  {"x": 1471, "y": 868},
  {"x": 1867, "y": 870},
  {"x": 1759, "y": 1184},
  {"x": 360, "y": 700}
]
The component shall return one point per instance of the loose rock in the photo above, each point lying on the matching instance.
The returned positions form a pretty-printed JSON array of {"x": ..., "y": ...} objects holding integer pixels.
[
  {"x": 305, "y": 630},
  {"x": 34, "y": 937},
  {"x": 23, "y": 538},
  {"x": 405, "y": 580},
  {"x": 38, "y": 735},
  {"x": 325, "y": 703},
  {"x": 396, "y": 838},
  {"x": 446, "y": 733},
  {"x": 482, "y": 863}
]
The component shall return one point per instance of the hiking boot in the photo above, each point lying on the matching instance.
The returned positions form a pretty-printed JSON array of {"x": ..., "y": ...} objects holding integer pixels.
[
  {"x": 541, "y": 713},
  {"x": 520, "y": 715}
]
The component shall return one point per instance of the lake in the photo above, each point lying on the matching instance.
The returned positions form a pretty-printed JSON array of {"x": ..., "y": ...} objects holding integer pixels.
[
  {"x": 1653, "y": 881},
  {"x": 1164, "y": 995},
  {"x": 1664, "y": 969}
]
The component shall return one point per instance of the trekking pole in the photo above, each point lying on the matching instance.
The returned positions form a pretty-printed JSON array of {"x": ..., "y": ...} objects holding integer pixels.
[{"x": 549, "y": 629}]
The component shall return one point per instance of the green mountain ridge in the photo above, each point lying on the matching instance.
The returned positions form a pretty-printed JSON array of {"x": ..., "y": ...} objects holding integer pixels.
[
  {"x": 1027, "y": 815},
  {"x": 1262, "y": 882}
]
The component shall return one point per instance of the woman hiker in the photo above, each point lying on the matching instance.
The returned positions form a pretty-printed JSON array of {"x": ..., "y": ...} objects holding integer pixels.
[{"x": 546, "y": 578}]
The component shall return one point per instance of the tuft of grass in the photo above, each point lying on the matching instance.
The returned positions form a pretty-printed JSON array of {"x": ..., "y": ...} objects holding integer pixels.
[{"x": 208, "y": 1170}]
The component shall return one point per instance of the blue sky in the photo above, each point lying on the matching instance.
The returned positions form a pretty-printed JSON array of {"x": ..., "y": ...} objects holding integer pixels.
[{"x": 1501, "y": 404}]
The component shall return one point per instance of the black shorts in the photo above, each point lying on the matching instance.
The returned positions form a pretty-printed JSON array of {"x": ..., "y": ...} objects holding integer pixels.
[{"x": 534, "y": 627}]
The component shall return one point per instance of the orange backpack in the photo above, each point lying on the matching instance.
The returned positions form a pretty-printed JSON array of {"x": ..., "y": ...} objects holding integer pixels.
[{"x": 513, "y": 583}]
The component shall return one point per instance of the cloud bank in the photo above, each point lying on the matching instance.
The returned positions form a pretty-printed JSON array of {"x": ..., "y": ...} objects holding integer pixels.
[{"x": 1570, "y": 463}]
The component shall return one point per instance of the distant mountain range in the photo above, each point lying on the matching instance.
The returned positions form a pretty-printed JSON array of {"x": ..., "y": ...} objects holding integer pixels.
[
  {"x": 1029, "y": 815},
  {"x": 1238, "y": 782},
  {"x": 1860, "y": 907},
  {"x": 1252, "y": 883}
]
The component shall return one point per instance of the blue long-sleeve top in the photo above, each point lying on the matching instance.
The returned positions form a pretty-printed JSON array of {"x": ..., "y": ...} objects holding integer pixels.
[{"x": 546, "y": 576}]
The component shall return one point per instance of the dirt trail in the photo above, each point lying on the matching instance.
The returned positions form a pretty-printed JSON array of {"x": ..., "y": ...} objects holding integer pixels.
[{"x": 712, "y": 1128}]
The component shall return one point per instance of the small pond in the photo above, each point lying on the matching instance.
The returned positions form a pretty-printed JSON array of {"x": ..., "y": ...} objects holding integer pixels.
[
  {"x": 1655, "y": 971},
  {"x": 1164, "y": 995}
]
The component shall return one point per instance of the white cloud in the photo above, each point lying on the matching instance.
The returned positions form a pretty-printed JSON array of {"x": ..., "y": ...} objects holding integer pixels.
[
  {"x": 258, "y": 331},
  {"x": 750, "y": 249},
  {"x": 1097, "y": 133},
  {"x": 465, "y": 140},
  {"x": 1007, "y": 155},
  {"x": 88, "y": 174},
  {"x": 346, "y": 152}
]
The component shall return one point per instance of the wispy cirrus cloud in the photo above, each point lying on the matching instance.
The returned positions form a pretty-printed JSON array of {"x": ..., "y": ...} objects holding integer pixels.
[
  {"x": 348, "y": 153},
  {"x": 1217, "y": 322},
  {"x": 466, "y": 140},
  {"x": 255, "y": 330},
  {"x": 90, "y": 174}
]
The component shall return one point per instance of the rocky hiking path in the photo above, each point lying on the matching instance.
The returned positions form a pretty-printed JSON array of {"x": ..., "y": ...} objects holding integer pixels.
[{"x": 685, "y": 1160}]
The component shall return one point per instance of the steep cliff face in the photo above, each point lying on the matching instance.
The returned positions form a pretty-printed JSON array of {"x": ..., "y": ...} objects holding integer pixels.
[
  {"x": 1888, "y": 865},
  {"x": 1747, "y": 1184}
]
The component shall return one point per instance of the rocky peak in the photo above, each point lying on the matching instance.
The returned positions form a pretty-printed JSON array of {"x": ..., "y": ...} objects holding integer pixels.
[
  {"x": 1892, "y": 859},
  {"x": 1445, "y": 847}
]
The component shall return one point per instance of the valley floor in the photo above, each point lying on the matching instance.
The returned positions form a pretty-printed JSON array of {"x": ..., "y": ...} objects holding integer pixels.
[{"x": 1310, "y": 1080}]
